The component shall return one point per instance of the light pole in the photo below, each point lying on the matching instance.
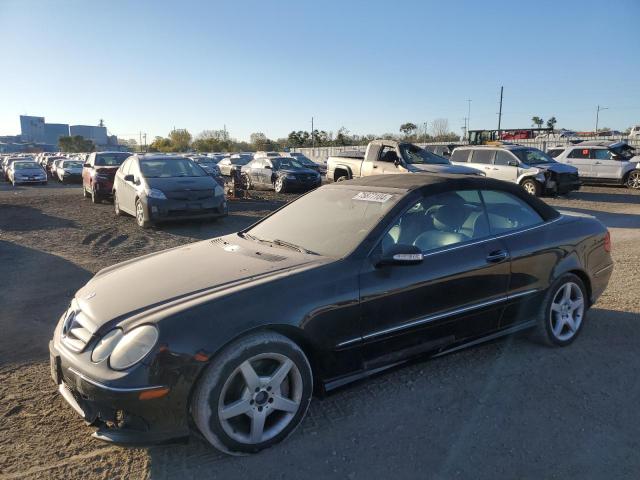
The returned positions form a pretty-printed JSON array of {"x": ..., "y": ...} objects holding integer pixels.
[
  {"x": 468, "y": 114},
  {"x": 598, "y": 116}
]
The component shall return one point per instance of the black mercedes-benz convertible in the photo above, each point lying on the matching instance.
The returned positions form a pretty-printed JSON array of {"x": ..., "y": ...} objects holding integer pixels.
[{"x": 230, "y": 337}]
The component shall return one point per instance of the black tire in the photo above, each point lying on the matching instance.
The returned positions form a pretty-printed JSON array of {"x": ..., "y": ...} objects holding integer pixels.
[
  {"x": 95, "y": 197},
  {"x": 142, "y": 217},
  {"x": 206, "y": 402},
  {"x": 544, "y": 332},
  {"x": 633, "y": 180},
  {"x": 531, "y": 186},
  {"x": 116, "y": 206},
  {"x": 342, "y": 178}
]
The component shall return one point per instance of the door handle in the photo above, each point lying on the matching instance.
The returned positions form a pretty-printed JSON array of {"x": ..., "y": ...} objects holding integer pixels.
[
  {"x": 598, "y": 163},
  {"x": 375, "y": 166},
  {"x": 497, "y": 256}
]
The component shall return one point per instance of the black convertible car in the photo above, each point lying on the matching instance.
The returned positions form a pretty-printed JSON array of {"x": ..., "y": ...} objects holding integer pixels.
[{"x": 230, "y": 337}]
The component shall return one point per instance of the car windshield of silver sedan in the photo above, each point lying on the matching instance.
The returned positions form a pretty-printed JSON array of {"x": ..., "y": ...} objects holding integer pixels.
[
  {"x": 329, "y": 221},
  {"x": 532, "y": 156},
  {"x": 73, "y": 164},
  {"x": 170, "y": 167},
  {"x": 413, "y": 154}
]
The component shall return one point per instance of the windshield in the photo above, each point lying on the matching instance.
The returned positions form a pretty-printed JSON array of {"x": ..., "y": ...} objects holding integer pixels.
[
  {"x": 532, "y": 156},
  {"x": 111, "y": 159},
  {"x": 413, "y": 154},
  {"x": 73, "y": 164},
  {"x": 170, "y": 167},
  {"x": 329, "y": 221},
  {"x": 240, "y": 161},
  {"x": 25, "y": 165},
  {"x": 289, "y": 163}
]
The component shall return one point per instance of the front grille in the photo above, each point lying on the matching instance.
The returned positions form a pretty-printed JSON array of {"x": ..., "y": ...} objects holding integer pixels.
[
  {"x": 190, "y": 195},
  {"x": 75, "y": 331}
]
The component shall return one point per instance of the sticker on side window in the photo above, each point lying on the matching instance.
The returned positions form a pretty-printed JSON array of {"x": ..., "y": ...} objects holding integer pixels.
[{"x": 372, "y": 197}]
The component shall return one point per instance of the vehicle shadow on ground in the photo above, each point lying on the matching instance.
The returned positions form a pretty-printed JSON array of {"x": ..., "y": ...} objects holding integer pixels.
[
  {"x": 35, "y": 289},
  {"x": 12, "y": 219},
  {"x": 616, "y": 196},
  {"x": 447, "y": 416},
  {"x": 611, "y": 220}
]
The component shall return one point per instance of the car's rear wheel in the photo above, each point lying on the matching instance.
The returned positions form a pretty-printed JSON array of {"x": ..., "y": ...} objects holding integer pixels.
[
  {"x": 141, "y": 216},
  {"x": 95, "y": 196},
  {"x": 279, "y": 185},
  {"x": 633, "y": 179},
  {"x": 253, "y": 394},
  {"x": 531, "y": 187},
  {"x": 564, "y": 310}
]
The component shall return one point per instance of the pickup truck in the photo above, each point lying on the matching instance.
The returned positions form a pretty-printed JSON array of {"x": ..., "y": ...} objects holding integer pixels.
[{"x": 384, "y": 157}]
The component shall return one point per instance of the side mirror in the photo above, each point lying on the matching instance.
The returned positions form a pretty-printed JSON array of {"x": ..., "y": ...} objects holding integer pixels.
[
  {"x": 86, "y": 165},
  {"x": 268, "y": 167},
  {"x": 128, "y": 178},
  {"x": 402, "y": 255},
  {"x": 513, "y": 163}
]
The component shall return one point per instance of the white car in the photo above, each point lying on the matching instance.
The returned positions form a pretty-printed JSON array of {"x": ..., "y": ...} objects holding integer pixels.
[
  {"x": 530, "y": 168},
  {"x": 69, "y": 170},
  {"x": 634, "y": 133},
  {"x": 602, "y": 162}
]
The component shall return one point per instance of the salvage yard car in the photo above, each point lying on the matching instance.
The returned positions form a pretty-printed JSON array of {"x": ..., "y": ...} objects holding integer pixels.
[
  {"x": 231, "y": 336},
  {"x": 26, "y": 171},
  {"x": 98, "y": 173},
  {"x": 390, "y": 157},
  {"x": 602, "y": 162},
  {"x": 532, "y": 169},
  {"x": 228, "y": 164},
  {"x": 155, "y": 188},
  {"x": 283, "y": 174},
  {"x": 69, "y": 171}
]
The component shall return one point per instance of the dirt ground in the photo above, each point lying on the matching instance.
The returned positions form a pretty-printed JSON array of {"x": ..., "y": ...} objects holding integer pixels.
[{"x": 507, "y": 409}]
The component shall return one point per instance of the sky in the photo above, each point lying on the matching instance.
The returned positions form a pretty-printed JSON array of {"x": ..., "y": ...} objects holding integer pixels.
[{"x": 269, "y": 66}]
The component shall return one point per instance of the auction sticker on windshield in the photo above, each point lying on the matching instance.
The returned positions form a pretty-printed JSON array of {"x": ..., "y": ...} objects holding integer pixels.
[{"x": 373, "y": 197}]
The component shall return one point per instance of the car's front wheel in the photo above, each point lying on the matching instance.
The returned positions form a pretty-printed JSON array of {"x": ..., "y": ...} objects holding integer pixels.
[
  {"x": 564, "y": 310},
  {"x": 253, "y": 394},
  {"x": 141, "y": 216},
  {"x": 279, "y": 185},
  {"x": 531, "y": 186},
  {"x": 633, "y": 179}
]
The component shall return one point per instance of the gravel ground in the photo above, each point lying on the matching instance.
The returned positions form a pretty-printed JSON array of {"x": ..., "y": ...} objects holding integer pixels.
[{"x": 507, "y": 409}]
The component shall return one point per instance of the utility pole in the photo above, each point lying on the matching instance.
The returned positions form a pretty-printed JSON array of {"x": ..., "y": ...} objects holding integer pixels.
[
  {"x": 468, "y": 114},
  {"x": 500, "y": 112},
  {"x": 598, "y": 116},
  {"x": 145, "y": 142},
  {"x": 140, "y": 139},
  {"x": 313, "y": 138}
]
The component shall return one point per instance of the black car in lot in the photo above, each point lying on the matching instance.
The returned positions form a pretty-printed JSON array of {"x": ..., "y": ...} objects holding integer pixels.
[
  {"x": 231, "y": 336},
  {"x": 279, "y": 173},
  {"x": 155, "y": 188}
]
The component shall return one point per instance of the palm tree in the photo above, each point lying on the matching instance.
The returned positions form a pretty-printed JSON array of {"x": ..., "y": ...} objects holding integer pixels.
[
  {"x": 537, "y": 121},
  {"x": 551, "y": 123}
]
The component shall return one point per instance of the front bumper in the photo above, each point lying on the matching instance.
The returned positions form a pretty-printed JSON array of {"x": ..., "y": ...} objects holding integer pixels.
[
  {"x": 72, "y": 177},
  {"x": 170, "y": 209},
  {"x": 22, "y": 181},
  {"x": 117, "y": 412},
  {"x": 298, "y": 184}
]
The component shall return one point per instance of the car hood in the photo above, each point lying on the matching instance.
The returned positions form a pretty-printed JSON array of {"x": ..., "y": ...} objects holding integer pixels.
[
  {"x": 174, "y": 184},
  {"x": 297, "y": 171},
  {"x": 556, "y": 167},
  {"x": 207, "y": 268},
  {"x": 29, "y": 171},
  {"x": 436, "y": 168}
]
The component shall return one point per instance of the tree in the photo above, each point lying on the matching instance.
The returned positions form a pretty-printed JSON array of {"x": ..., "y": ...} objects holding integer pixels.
[
  {"x": 551, "y": 123},
  {"x": 342, "y": 137},
  {"x": 180, "y": 140},
  {"x": 161, "y": 144},
  {"x": 537, "y": 121},
  {"x": 408, "y": 128},
  {"x": 259, "y": 141},
  {"x": 440, "y": 128},
  {"x": 75, "y": 144}
]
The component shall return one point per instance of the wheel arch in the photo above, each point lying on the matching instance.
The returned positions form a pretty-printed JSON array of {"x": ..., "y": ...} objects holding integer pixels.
[{"x": 340, "y": 168}]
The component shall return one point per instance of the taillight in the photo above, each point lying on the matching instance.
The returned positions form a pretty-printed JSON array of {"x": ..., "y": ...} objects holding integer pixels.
[{"x": 607, "y": 242}]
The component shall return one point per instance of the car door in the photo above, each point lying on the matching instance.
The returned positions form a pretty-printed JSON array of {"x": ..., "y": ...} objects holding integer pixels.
[
  {"x": 605, "y": 166},
  {"x": 531, "y": 248},
  {"x": 482, "y": 159},
  {"x": 127, "y": 189},
  {"x": 86, "y": 171},
  {"x": 505, "y": 166},
  {"x": 454, "y": 294},
  {"x": 579, "y": 157},
  {"x": 384, "y": 163}
]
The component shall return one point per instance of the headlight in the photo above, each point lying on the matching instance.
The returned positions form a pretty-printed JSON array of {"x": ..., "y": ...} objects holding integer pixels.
[
  {"x": 155, "y": 193},
  {"x": 133, "y": 347},
  {"x": 106, "y": 345}
]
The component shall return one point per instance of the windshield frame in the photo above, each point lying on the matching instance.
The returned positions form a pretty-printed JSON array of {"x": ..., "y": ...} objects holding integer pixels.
[
  {"x": 406, "y": 147},
  {"x": 550, "y": 160}
]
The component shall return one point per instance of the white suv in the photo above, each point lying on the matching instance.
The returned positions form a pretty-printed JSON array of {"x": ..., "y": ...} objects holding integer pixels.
[
  {"x": 602, "y": 162},
  {"x": 529, "y": 167}
]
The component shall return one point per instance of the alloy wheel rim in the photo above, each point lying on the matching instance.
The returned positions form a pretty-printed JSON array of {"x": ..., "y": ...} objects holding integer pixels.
[
  {"x": 529, "y": 188},
  {"x": 634, "y": 180},
  {"x": 260, "y": 398},
  {"x": 567, "y": 311},
  {"x": 279, "y": 184},
  {"x": 139, "y": 213}
]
